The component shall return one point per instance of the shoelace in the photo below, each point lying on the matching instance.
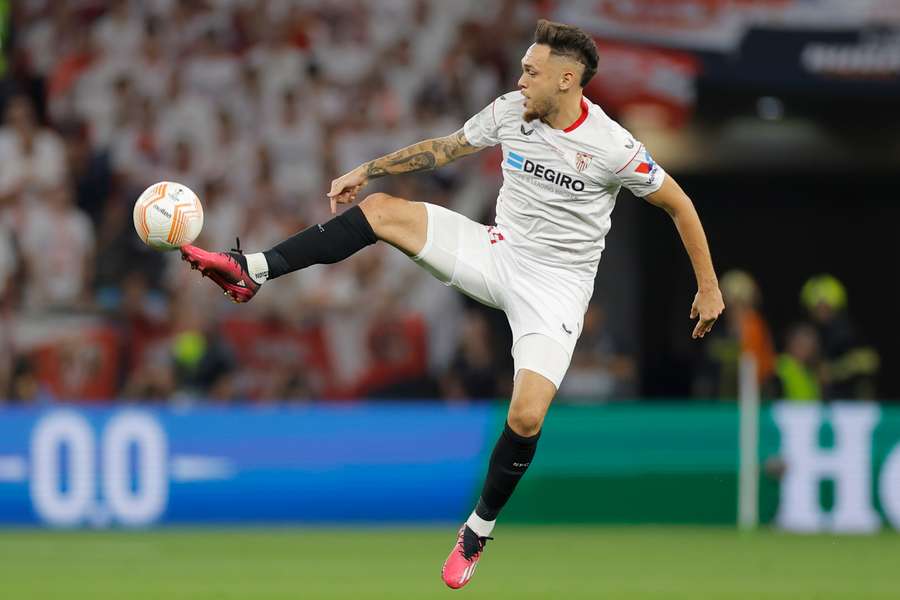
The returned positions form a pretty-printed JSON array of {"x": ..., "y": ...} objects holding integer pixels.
[
  {"x": 237, "y": 243},
  {"x": 472, "y": 549}
]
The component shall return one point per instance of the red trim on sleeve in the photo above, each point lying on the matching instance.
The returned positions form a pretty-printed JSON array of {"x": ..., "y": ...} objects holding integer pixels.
[
  {"x": 640, "y": 147},
  {"x": 581, "y": 118}
]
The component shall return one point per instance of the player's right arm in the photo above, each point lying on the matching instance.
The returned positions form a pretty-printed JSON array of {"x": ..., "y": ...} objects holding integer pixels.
[{"x": 424, "y": 156}]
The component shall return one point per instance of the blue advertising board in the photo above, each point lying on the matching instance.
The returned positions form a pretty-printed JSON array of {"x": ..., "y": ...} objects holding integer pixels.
[{"x": 138, "y": 467}]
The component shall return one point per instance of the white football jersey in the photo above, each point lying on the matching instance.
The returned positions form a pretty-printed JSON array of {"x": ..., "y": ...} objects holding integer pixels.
[{"x": 560, "y": 186}]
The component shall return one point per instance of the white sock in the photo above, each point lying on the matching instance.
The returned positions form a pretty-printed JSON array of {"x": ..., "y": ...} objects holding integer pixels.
[
  {"x": 481, "y": 527},
  {"x": 257, "y": 266}
]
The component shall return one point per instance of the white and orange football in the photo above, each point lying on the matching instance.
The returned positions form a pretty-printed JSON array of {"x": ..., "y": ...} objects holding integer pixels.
[{"x": 168, "y": 215}]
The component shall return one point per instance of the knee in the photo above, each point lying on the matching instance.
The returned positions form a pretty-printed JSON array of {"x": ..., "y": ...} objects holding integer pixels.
[
  {"x": 376, "y": 201},
  {"x": 381, "y": 209},
  {"x": 525, "y": 421}
]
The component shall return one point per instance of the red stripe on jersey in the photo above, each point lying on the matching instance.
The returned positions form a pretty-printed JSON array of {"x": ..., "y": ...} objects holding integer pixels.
[
  {"x": 581, "y": 118},
  {"x": 640, "y": 147}
]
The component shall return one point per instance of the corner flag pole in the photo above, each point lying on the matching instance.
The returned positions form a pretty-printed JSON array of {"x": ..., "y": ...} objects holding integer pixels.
[{"x": 748, "y": 476}]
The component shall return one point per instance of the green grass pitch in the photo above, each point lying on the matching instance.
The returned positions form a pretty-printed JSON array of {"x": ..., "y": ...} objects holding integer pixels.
[{"x": 537, "y": 562}]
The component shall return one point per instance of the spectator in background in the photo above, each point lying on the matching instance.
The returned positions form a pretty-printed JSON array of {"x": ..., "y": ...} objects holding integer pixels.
[
  {"x": 797, "y": 369},
  {"x": 474, "y": 371},
  {"x": 77, "y": 58},
  {"x": 235, "y": 164},
  {"x": 136, "y": 153},
  {"x": 90, "y": 169},
  {"x": 24, "y": 386},
  {"x": 291, "y": 137},
  {"x": 8, "y": 264},
  {"x": 152, "y": 62},
  {"x": 601, "y": 369},
  {"x": 152, "y": 381},
  {"x": 142, "y": 317},
  {"x": 118, "y": 32},
  {"x": 57, "y": 244},
  {"x": 850, "y": 367},
  {"x": 32, "y": 159},
  {"x": 204, "y": 365},
  {"x": 186, "y": 116},
  {"x": 752, "y": 330},
  {"x": 745, "y": 332}
]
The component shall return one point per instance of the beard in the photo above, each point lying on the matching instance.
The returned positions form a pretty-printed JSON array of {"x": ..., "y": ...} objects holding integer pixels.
[{"x": 538, "y": 109}]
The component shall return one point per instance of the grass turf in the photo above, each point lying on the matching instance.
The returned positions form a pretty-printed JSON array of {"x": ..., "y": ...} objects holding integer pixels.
[{"x": 523, "y": 563}]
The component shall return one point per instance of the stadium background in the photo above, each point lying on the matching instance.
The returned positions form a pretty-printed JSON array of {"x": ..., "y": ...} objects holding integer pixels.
[{"x": 133, "y": 395}]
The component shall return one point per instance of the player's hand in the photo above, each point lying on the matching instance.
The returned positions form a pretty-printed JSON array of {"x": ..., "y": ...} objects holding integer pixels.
[
  {"x": 708, "y": 305},
  {"x": 345, "y": 188}
]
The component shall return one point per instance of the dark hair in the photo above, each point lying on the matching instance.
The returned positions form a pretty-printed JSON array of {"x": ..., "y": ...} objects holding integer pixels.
[{"x": 566, "y": 40}]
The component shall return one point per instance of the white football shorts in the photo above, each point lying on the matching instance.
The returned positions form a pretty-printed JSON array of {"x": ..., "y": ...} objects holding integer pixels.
[{"x": 538, "y": 300}]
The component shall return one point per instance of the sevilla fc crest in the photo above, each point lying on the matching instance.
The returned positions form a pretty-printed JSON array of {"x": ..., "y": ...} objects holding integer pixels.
[{"x": 582, "y": 161}]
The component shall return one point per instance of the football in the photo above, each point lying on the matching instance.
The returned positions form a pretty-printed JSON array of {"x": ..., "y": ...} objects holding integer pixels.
[{"x": 168, "y": 215}]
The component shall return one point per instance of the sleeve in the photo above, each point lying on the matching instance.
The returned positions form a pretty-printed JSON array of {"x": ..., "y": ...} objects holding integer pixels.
[
  {"x": 483, "y": 129},
  {"x": 635, "y": 169}
]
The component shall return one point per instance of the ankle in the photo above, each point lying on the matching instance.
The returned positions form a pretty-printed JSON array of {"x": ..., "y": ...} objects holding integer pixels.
[
  {"x": 481, "y": 527},
  {"x": 257, "y": 266}
]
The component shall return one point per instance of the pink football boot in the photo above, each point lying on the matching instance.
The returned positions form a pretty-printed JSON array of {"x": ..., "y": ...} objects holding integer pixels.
[
  {"x": 228, "y": 270},
  {"x": 460, "y": 565}
]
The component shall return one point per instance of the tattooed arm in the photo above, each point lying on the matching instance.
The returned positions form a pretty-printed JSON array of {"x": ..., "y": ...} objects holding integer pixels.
[{"x": 423, "y": 156}]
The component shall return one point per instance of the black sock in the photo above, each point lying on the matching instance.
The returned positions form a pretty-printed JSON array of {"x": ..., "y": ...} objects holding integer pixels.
[
  {"x": 511, "y": 456},
  {"x": 321, "y": 244}
]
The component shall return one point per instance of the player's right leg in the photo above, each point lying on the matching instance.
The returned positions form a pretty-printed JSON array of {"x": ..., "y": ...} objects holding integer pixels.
[
  {"x": 399, "y": 222},
  {"x": 532, "y": 394}
]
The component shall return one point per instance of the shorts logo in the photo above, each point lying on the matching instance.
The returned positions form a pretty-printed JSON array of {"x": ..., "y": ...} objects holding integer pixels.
[
  {"x": 520, "y": 163},
  {"x": 495, "y": 236},
  {"x": 524, "y": 132},
  {"x": 582, "y": 160}
]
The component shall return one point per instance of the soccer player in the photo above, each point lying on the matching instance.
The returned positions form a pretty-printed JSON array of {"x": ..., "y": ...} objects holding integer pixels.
[{"x": 564, "y": 161}]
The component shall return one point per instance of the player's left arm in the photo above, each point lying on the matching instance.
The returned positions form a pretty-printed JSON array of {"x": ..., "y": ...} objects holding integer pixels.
[{"x": 708, "y": 303}]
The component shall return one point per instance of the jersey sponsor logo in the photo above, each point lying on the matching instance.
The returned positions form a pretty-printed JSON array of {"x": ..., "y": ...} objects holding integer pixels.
[
  {"x": 520, "y": 163},
  {"x": 582, "y": 160}
]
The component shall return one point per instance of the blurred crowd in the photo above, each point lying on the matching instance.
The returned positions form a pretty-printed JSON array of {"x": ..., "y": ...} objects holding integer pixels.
[
  {"x": 822, "y": 357},
  {"x": 255, "y": 105}
]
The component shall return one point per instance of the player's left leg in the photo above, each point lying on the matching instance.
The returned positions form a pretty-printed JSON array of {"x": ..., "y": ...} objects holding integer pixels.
[
  {"x": 397, "y": 221},
  {"x": 541, "y": 364}
]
